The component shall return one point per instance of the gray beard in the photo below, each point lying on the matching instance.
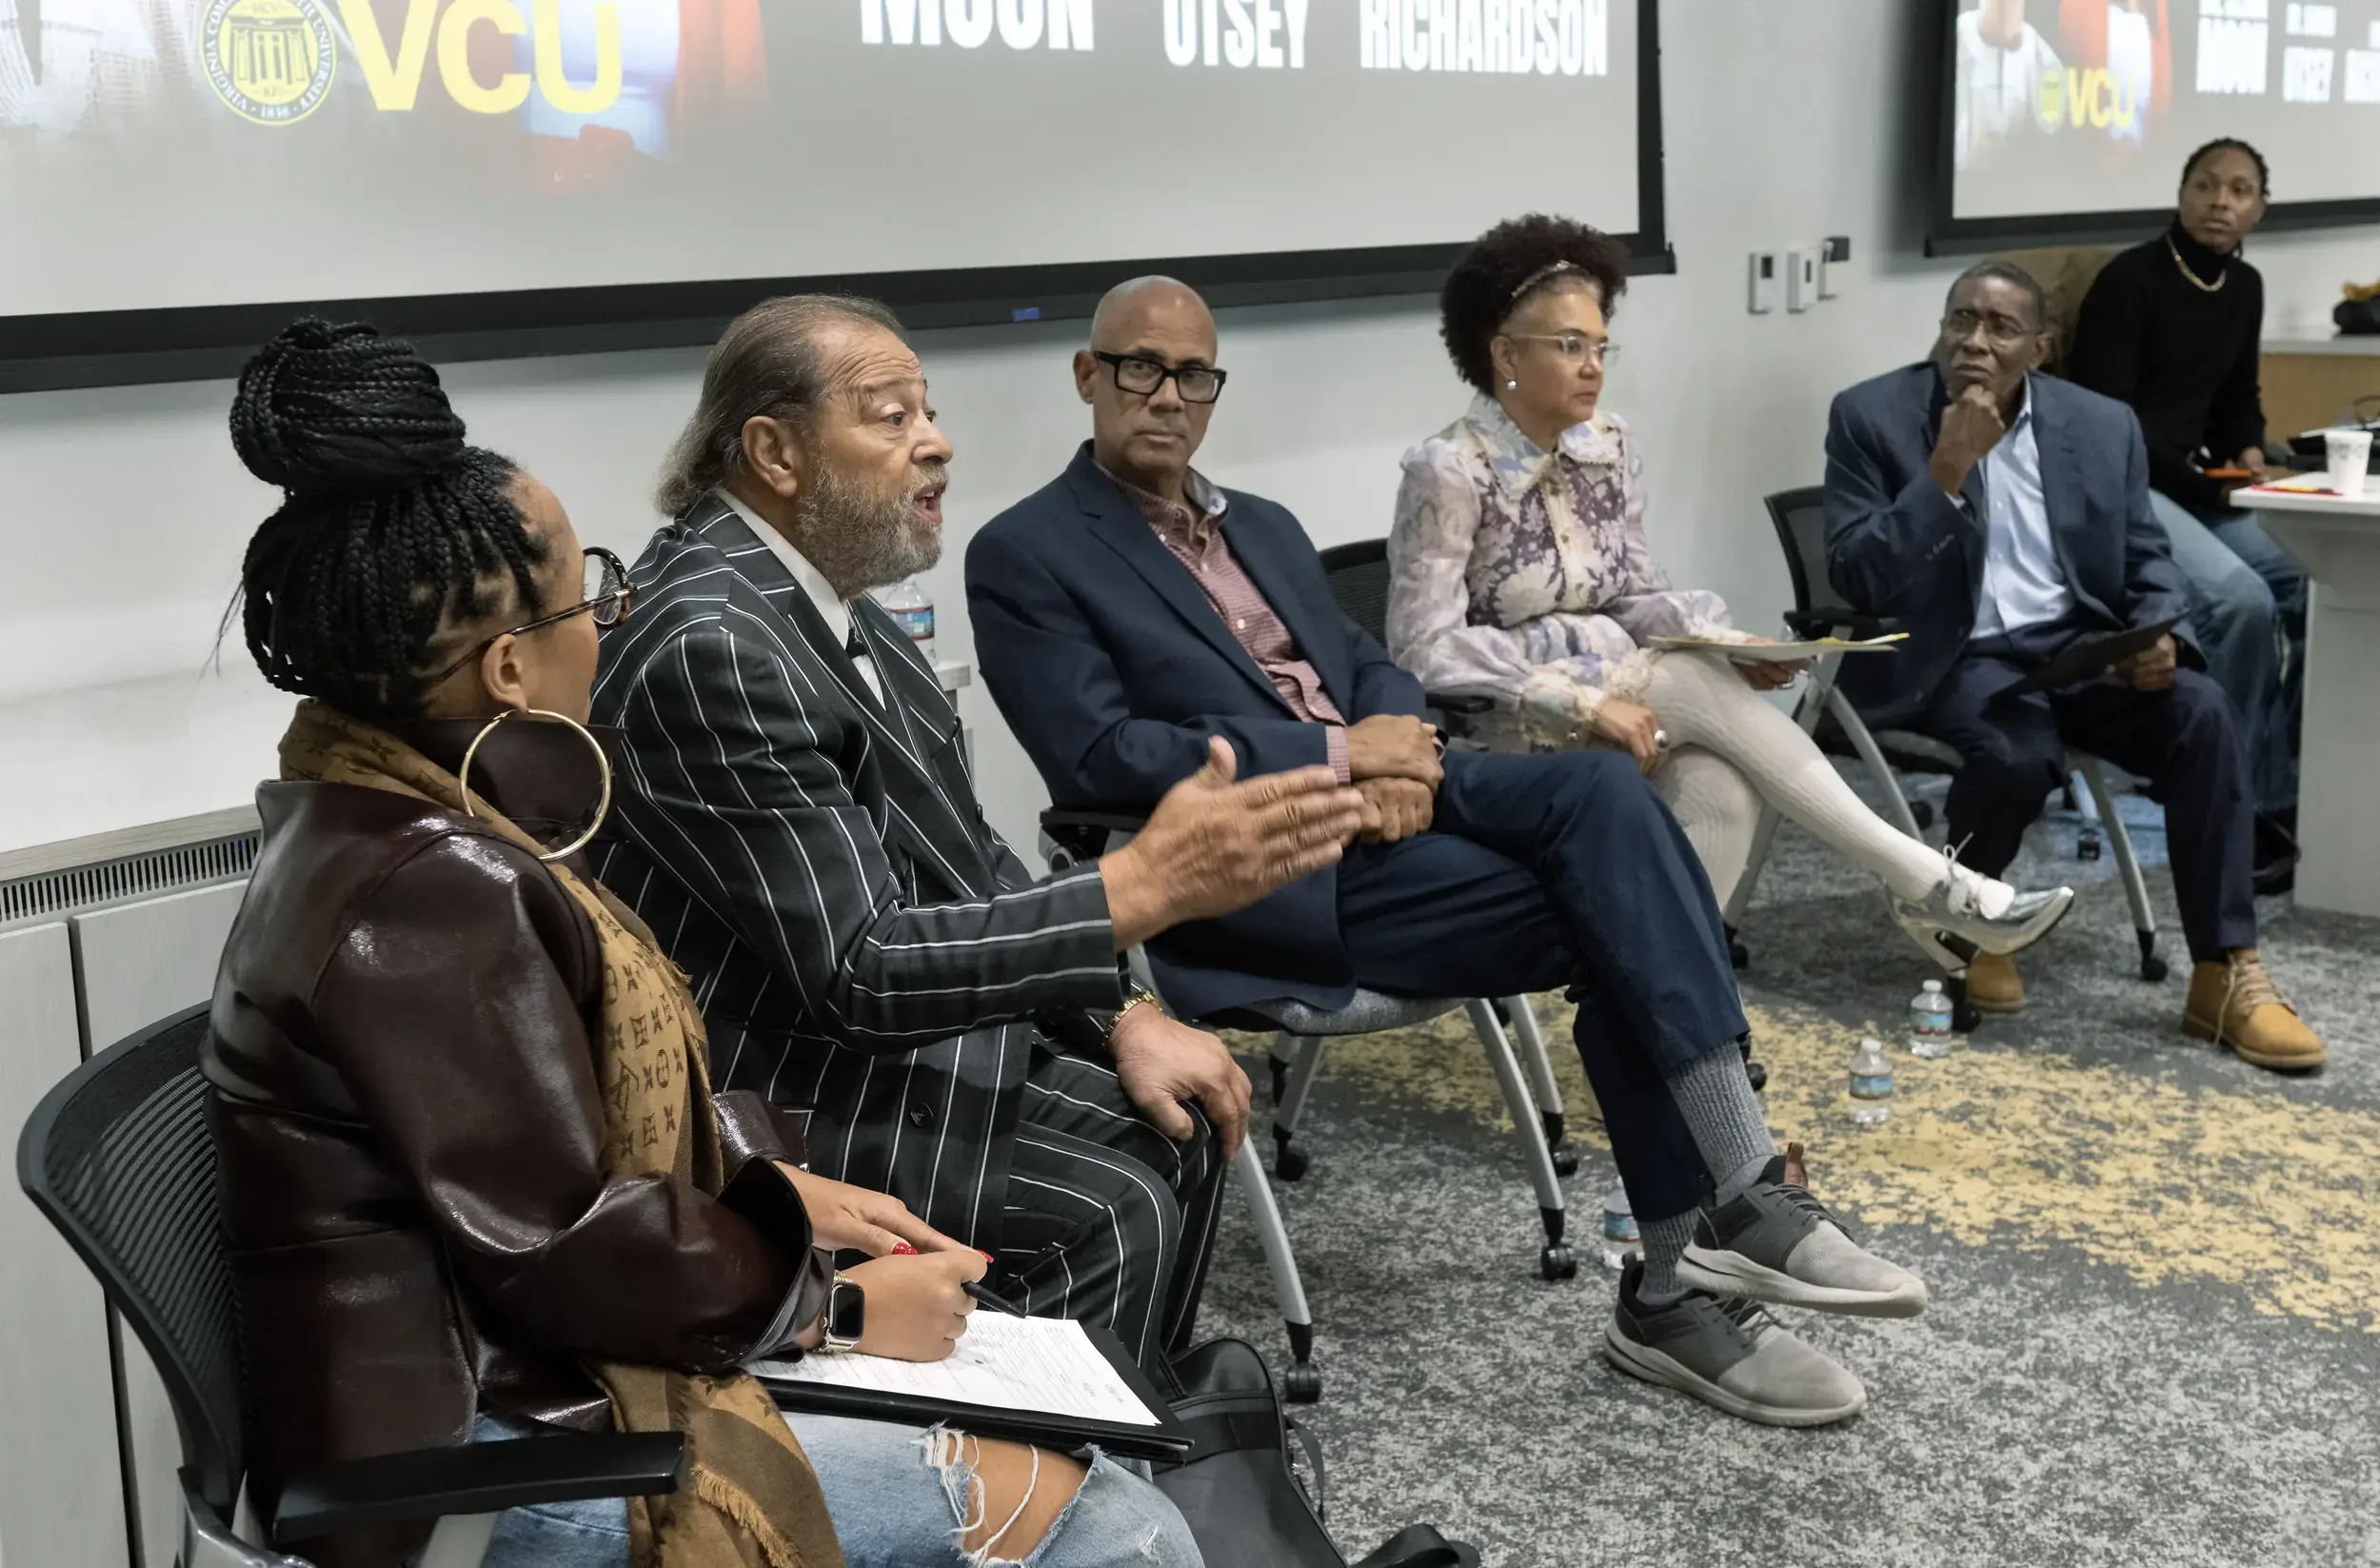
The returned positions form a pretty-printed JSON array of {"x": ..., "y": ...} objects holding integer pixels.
[{"x": 857, "y": 541}]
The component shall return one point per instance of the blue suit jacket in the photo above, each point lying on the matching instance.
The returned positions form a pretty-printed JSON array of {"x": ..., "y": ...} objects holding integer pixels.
[
  {"x": 1113, "y": 671},
  {"x": 1897, "y": 545}
]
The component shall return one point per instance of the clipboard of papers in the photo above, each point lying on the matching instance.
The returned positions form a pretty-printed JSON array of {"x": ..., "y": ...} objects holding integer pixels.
[
  {"x": 1045, "y": 1380},
  {"x": 1786, "y": 653}
]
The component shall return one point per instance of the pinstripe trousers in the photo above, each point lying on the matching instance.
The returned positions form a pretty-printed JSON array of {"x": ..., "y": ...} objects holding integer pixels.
[{"x": 1107, "y": 1219}]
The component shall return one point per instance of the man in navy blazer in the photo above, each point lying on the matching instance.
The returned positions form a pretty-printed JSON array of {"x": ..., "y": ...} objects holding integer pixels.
[
  {"x": 1999, "y": 515},
  {"x": 1130, "y": 612}
]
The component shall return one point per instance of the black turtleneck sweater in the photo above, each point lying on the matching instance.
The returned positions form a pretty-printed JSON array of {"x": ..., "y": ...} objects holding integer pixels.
[{"x": 2185, "y": 359}]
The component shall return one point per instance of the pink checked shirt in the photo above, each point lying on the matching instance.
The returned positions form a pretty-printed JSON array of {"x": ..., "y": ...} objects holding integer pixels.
[{"x": 1195, "y": 537}]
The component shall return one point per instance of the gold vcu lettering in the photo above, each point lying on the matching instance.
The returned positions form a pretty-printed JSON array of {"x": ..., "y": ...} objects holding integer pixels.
[{"x": 396, "y": 82}]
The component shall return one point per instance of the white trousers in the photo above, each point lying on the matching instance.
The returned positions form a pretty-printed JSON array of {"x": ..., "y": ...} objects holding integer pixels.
[{"x": 1731, "y": 749}]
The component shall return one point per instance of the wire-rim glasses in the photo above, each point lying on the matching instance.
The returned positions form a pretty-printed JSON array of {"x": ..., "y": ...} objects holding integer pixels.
[{"x": 609, "y": 594}]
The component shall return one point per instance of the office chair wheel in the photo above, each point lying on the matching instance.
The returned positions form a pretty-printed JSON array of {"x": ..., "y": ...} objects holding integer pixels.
[
  {"x": 1922, "y": 813},
  {"x": 1557, "y": 1262},
  {"x": 2087, "y": 844},
  {"x": 2152, "y": 967},
  {"x": 1565, "y": 1158},
  {"x": 1301, "y": 1384},
  {"x": 1290, "y": 1162}
]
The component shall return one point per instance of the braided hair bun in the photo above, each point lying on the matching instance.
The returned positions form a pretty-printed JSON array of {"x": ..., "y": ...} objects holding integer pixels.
[
  {"x": 395, "y": 540},
  {"x": 341, "y": 408}
]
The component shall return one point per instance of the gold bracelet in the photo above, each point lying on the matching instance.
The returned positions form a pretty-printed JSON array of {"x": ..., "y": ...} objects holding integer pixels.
[{"x": 1139, "y": 996}]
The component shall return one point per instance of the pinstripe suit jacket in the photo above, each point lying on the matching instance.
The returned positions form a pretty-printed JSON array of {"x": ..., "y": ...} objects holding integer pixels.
[{"x": 863, "y": 945}]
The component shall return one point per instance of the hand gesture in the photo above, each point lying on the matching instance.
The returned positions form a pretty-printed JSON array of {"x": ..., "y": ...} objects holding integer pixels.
[
  {"x": 2151, "y": 668},
  {"x": 1971, "y": 427},
  {"x": 1165, "y": 1066},
  {"x": 915, "y": 1310},
  {"x": 1394, "y": 745},
  {"x": 1632, "y": 728},
  {"x": 1396, "y": 808},
  {"x": 1213, "y": 846},
  {"x": 844, "y": 1217}
]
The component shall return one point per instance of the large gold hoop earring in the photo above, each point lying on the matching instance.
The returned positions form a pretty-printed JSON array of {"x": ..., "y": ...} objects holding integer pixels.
[{"x": 603, "y": 806}]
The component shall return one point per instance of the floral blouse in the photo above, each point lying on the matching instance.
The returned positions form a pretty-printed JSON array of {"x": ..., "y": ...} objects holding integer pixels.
[{"x": 1525, "y": 575}]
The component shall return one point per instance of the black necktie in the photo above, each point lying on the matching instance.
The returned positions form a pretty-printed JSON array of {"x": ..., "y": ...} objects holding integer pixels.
[{"x": 858, "y": 649}]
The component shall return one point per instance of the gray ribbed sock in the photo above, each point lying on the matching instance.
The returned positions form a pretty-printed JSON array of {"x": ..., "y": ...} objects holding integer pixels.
[
  {"x": 1665, "y": 1243},
  {"x": 1724, "y": 1116}
]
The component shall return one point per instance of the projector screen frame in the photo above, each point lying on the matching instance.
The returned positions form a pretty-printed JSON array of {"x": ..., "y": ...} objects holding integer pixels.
[
  {"x": 205, "y": 342},
  {"x": 1950, "y": 235}
]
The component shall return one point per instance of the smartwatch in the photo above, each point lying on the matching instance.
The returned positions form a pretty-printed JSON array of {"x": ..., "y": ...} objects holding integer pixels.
[{"x": 847, "y": 1314}]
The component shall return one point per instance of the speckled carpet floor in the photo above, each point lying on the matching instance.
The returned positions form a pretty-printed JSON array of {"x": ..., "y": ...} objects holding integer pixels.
[{"x": 2156, "y": 1273}]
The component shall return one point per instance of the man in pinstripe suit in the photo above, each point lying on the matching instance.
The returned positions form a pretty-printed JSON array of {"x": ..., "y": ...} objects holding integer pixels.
[{"x": 795, "y": 822}]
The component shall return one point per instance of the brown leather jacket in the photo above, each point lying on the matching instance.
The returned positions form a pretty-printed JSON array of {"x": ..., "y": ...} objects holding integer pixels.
[{"x": 405, "y": 1107}]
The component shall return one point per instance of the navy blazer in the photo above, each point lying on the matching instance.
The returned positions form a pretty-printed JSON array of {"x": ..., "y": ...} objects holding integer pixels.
[
  {"x": 1897, "y": 546},
  {"x": 1114, "y": 670}
]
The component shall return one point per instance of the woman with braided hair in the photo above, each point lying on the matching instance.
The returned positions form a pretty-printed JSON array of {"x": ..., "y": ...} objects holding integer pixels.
[{"x": 475, "y": 1183}]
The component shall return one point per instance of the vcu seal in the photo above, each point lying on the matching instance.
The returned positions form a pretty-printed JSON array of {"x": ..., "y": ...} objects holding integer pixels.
[{"x": 270, "y": 60}]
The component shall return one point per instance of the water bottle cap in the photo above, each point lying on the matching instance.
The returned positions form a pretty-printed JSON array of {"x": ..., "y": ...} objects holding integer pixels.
[{"x": 1930, "y": 985}]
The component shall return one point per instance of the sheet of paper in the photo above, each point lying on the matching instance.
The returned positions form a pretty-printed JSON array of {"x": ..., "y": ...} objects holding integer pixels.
[
  {"x": 2313, "y": 484},
  {"x": 1783, "y": 653},
  {"x": 1005, "y": 1363}
]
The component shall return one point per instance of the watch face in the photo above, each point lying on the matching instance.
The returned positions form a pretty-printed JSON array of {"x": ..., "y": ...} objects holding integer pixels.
[{"x": 846, "y": 1310}]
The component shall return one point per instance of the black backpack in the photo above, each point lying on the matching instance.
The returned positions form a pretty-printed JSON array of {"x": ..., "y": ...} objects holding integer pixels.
[{"x": 1239, "y": 1488}]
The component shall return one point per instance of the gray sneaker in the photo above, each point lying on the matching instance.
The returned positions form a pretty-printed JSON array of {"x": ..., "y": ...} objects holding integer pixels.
[
  {"x": 1731, "y": 1355},
  {"x": 1777, "y": 1243}
]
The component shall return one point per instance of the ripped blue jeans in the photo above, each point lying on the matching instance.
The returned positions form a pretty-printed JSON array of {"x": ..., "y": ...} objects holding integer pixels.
[{"x": 901, "y": 1497}]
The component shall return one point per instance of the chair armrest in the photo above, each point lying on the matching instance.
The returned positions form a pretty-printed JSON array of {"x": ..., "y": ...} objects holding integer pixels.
[
  {"x": 1459, "y": 702},
  {"x": 1827, "y": 619},
  {"x": 482, "y": 1477},
  {"x": 1080, "y": 831}
]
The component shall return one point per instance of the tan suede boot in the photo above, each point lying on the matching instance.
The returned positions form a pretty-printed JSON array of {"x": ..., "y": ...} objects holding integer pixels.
[
  {"x": 1992, "y": 984},
  {"x": 2235, "y": 1003}
]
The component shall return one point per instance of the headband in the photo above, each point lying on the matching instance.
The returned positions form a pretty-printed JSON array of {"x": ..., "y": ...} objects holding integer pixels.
[{"x": 1552, "y": 269}]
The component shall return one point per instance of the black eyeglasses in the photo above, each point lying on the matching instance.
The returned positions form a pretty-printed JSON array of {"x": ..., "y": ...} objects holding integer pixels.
[
  {"x": 1143, "y": 377},
  {"x": 608, "y": 595}
]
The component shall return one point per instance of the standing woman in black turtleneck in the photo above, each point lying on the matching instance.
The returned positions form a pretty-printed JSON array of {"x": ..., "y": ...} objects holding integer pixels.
[{"x": 2172, "y": 329}]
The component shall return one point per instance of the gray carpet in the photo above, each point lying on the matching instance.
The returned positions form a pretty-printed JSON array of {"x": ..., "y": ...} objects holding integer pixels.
[{"x": 2156, "y": 1330}]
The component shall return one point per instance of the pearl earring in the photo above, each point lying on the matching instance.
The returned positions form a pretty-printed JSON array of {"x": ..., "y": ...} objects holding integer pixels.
[{"x": 1513, "y": 385}]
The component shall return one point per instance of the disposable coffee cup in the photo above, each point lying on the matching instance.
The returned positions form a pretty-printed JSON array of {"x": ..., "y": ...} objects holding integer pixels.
[{"x": 2350, "y": 459}]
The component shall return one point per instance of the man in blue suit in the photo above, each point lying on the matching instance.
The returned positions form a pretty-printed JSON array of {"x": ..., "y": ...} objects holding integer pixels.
[
  {"x": 1998, "y": 515},
  {"x": 1131, "y": 613}
]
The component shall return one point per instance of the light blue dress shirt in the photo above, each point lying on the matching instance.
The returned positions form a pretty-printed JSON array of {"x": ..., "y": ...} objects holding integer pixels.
[{"x": 2023, "y": 585}]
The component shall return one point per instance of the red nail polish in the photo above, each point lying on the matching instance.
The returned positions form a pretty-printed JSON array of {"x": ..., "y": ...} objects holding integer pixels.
[
  {"x": 902, "y": 1249},
  {"x": 986, "y": 1256}
]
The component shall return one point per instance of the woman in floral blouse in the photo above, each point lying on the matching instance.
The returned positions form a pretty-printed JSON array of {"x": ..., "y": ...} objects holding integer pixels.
[{"x": 1520, "y": 571}]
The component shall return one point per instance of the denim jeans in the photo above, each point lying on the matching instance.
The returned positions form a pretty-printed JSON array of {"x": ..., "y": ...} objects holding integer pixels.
[
  {"x": 2247, "y": 605},
  {"x": 900, "y": 1499}
]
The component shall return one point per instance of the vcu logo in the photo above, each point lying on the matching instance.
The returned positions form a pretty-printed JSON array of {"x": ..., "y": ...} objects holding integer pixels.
[{"x": 270, "y": 60}]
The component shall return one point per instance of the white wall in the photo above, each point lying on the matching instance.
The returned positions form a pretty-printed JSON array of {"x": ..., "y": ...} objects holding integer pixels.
[{"x": 126, "y": 511}]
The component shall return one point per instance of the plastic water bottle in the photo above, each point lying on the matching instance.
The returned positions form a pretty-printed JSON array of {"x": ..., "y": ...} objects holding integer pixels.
[
  {"x": 1870, "y": 1083},
  {"x": 1620, "y": 1241},
  {"x": 1929, "y": 1033},
  {"x": 907, "y": 602}
]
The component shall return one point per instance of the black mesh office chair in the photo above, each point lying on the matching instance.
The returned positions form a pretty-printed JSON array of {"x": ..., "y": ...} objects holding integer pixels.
[
  {"x": 1799, "y": 518},
  {"x": 118, "y": 1157}
]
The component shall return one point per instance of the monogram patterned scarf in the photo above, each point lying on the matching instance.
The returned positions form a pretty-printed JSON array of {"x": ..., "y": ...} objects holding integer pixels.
[{"x": 754, "y": 1501}]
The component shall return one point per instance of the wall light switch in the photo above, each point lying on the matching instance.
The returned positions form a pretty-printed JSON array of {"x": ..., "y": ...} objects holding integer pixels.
[
  {"x": 1801, "y": 278},
  {"x": 1831, "y": 269},
  {"x": 1767, "y": 274}
]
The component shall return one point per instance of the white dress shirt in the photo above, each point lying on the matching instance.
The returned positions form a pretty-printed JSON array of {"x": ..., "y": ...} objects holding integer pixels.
[
  {"x": 836, "y": 611},
  {"x": 2023, "y": 585}
]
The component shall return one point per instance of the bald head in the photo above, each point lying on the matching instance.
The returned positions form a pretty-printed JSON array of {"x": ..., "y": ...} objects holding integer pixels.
[
  {"x": 1143, "y": 430},
  {"x": 1130, "y": 306}
]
